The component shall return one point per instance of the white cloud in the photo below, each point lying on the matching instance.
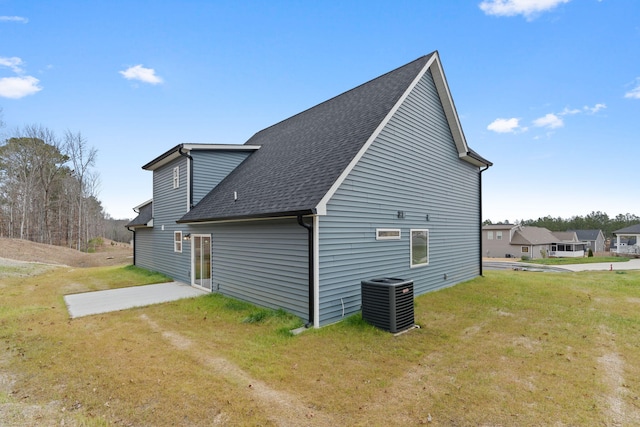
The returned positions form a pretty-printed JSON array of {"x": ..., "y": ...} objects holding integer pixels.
[
  {"x": 14, "y": 63},
  {"x": 528, "y": 8},
  {"x": 567, "y": 111},
  {"x": 595, "y": 108},
  {"x": 506, "y": 126},
  {"x": 635, "y": 92},
  {"x": 145, "y": 75},
  {"x": 586, "y": 109},
  {"x": 18, "y": 87},
  {"x": 13, "y": 19},
  {"x": 550, "y": 121}
]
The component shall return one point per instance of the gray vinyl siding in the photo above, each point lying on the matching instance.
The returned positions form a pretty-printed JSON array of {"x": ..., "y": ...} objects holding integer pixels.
[
  {"x": 412, "y": 166},
  {"x": 143, "y": 247},
  {"x": 263, "y": 262},
  {"x": 169, "y": 204},
  {"x": 211, "y": 167}
]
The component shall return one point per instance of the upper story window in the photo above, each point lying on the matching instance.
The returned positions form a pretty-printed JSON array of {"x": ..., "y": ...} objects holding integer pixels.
[
  {"x": 490, "y": 235},
  {"x": 176, "y": 177},
  {"x": 498, "y": 235}
]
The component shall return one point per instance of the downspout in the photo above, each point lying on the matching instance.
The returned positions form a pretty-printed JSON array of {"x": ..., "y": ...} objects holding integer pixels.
[
  {"x": 309, "y": 228},
  {"x": 190, "y": 189},
  {"x": 480, "y": 195},
  {"x": 134, "y": 239}
]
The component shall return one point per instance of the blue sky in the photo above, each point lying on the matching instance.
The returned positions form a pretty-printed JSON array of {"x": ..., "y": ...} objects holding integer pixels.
[{"x": 548, "y": 90}]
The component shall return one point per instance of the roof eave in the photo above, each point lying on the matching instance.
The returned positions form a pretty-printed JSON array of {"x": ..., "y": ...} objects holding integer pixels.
[
  {"x": 248, "y": 217},
  {"x": 174, "y": 152}
]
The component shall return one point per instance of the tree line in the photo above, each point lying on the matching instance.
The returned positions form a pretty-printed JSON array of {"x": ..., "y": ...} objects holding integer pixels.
[
  {"x": 593, "y": 221},
  {"x": 48, "y": 188}
]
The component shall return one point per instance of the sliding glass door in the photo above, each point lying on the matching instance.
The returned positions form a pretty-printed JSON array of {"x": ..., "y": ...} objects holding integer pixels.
[{"x": 201, "y": 269}]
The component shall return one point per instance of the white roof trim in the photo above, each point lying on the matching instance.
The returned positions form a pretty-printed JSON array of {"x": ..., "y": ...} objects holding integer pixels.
[
  {"x": 174, "y": 152},
  {"x": 222, "y": 147},
  {"x": 141, "y": 205},
  {"x": 321, "y": 208},
  {"x": 450, "y": 110}
]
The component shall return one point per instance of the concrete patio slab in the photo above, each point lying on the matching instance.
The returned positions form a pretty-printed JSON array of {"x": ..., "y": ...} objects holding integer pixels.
[{"x": 88, "y": 303}]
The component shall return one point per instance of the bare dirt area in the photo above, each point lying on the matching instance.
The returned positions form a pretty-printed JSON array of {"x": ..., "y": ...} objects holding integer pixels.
[{"x": 109, "y": 253}]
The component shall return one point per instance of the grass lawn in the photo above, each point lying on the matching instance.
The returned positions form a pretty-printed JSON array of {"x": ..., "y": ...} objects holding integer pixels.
[
  {"x": 510, "y": 348},
  {"x": 583, "y": 260}
]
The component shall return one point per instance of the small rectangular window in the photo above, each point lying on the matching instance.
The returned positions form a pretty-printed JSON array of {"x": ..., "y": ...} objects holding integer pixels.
[
  {"x": 387, "y": 234},
  {"x": 498, "y": 235},
  {"x": 419, "y": 248},
  {"x": 525, "y": 249},
  {"x": 490, "y": 235},
  {"x": 177, "y": 241},
  {"x": 176, "y": 177}
]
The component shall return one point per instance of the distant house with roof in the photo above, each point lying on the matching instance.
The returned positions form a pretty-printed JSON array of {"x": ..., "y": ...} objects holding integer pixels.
[
  {"x": 594, "y": 239},
  {"x": 628, "y": 240},
  {"x": 514, "y": 241},
  {"x": 376, "y": 182}
]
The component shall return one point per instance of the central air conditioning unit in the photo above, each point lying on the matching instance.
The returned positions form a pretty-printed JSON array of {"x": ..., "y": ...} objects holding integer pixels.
[{"x": 387, "y": 303}]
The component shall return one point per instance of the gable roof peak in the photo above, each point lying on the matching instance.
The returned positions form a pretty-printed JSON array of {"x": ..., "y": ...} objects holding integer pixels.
[{"x": 304, "y": 158}]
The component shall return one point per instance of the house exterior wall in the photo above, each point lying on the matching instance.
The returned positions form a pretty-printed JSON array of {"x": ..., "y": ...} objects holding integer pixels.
[
  {"x": 598, "y": 244},
  {"x": 495, "y": 245},
  {"x": 413, "y": 167},
  {"x": 155, "y": 246},
  {"x": 143, "y": 248},
  {"x": 533, "y": 251},
  {"x": 211, "y": 167},
  {"x": 264, "y": 262}
]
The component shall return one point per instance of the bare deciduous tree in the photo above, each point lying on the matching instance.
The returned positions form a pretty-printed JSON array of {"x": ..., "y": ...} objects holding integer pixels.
[
  {"x": 48, "y": 189},
  {"x": 82, "y": 158}
]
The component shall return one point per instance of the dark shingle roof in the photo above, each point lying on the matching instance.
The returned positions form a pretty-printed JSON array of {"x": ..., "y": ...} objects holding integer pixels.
[
  {"x": 584, "y": 235},
  {"x": 633, "y": 229},
  {"x": 144, "y": 216},
  {"x": 301, "y": 157}
]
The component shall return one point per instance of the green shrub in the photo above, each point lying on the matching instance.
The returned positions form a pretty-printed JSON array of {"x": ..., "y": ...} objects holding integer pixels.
[{"x": 590, "y": 255}]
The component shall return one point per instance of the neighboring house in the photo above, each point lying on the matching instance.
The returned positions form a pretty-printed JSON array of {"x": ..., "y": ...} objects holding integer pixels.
[
  {"x": 532, "y": 242},
  {"x": 594, "y": 239},
  {"x": 627, "y": 240},
  {"x": 496, "y": 240},
  {"x": 376, "y": 182}
]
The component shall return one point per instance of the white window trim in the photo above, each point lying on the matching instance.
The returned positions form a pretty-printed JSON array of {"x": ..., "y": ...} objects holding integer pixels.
[
  {"x": 177, "y": 241},
  {"x": 176, "y": 177},
  {"x": 426, "y": 230},
  {"x": 489, "y": 235},
  {"x": 498, "y": 235},
  {"x": 379, "y": 231}
]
